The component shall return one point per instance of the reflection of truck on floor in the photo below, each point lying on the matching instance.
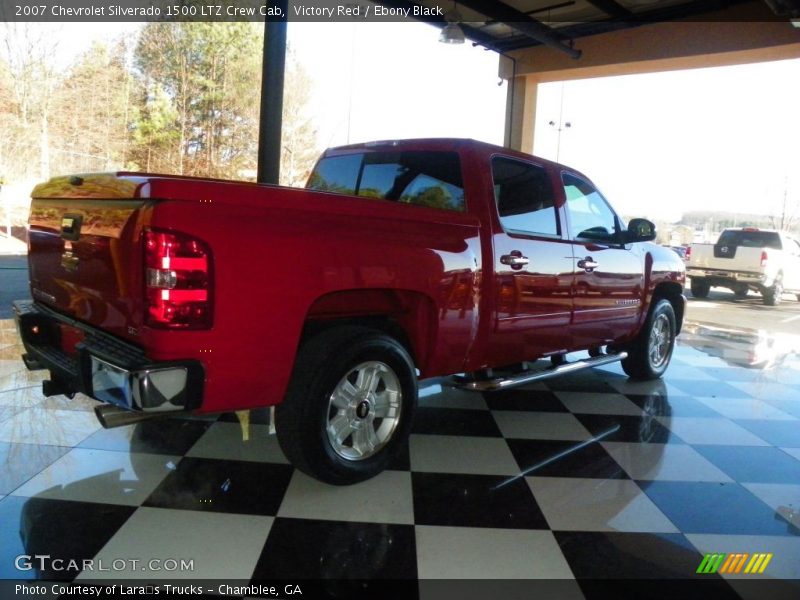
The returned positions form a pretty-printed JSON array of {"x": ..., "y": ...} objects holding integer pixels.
[{"x": 743, "y": 259}]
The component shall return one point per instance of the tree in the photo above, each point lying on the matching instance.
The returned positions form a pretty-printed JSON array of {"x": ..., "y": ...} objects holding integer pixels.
[
  {"x": 299, "y": 150},
  {"x": 96, "y": 137},
  {"x": 208, "y": 73},
  {"x": 28, "y": 68},
  {"x": 183, "y": 98}
]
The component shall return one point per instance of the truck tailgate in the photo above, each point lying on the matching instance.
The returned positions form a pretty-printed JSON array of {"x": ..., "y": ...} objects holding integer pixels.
[
  {"x": 725, "y": 258},
  {"x": 85, "y": 254}
]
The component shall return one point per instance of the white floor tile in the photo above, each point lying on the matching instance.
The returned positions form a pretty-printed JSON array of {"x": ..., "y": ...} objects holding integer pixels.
[
  {"x": 574, "y": 504},
  {"x": 222, "y": 546},
  {"x": 100, "y": 476},
  {"x": 27, "y": 397},
  {"x": 483, "y": 553},
  {"x": 707, "y": 430},
  {"x": 386, "y": 498},
  {"x": 461, "y": 454},
  {"x": 784, "y": 499},
  {"x": 745, "y": 408},
  {"x": 540, "y": 425},
  {"x": 663, "y": 462},
  {"x": 48, "y": 426}
]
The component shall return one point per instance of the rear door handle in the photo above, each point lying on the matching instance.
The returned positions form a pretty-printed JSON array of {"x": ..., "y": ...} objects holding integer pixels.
[
  {"x": 514, "y": 259},
  {"x": 587, "y": 264}
]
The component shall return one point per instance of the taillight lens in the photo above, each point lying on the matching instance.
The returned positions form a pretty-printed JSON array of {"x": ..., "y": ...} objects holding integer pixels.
[
  {"x": 688, "y": 256},
  {"x": 177, "y": 281},
  {"x": 764, "y": 258}
]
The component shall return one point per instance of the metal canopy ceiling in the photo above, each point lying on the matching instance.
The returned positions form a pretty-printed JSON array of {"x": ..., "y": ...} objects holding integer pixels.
[{"x": 516, "y": 24}]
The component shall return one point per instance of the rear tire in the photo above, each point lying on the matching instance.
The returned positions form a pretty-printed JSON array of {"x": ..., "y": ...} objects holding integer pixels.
[
  {"x": 772, "y": 296},
  {"x": 700, "y": 288},
  {"x": 650, "y": 353},
  {"x": 349, "y": 405}
]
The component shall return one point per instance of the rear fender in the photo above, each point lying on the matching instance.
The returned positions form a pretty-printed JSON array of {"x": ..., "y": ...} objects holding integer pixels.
[{"x": 407, "y": 315}]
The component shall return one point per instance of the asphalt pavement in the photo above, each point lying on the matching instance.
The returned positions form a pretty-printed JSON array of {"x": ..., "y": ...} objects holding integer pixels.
[
  {"x": 13, "y": 282},
  {"x": 722, "y": 308}
]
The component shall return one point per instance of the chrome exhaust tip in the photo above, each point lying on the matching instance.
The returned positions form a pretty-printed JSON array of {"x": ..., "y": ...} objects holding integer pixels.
[{"x": 111, "y": 416}]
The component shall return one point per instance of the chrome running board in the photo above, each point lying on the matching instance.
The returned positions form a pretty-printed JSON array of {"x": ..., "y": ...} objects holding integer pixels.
[
  {"x": 111, "y": 416},
  {"x": 504, "y": 383}
]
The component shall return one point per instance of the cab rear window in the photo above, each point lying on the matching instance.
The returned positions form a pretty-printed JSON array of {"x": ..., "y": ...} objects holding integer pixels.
[
  {"x": 750, "y": 239},
  {"x": 431, "y": 179}
]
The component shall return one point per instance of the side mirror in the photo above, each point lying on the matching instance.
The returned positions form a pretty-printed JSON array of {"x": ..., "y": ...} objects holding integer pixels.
[{"x": 640, "y": 230}]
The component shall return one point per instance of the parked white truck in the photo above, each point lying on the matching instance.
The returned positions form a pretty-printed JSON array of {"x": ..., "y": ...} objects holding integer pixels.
[{"x": 743, "y": 259}]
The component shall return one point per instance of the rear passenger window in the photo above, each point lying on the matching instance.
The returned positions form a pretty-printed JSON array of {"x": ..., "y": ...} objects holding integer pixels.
[
  {"x": 750, "y": 238},
  {"x": 431, "y": 179},
  {"x": 524, "y": 196},
  {"x": 336, "y": 174}
]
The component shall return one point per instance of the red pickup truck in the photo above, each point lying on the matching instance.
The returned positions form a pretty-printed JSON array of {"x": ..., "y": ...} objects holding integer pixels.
[{"x": 160, "y": 295}]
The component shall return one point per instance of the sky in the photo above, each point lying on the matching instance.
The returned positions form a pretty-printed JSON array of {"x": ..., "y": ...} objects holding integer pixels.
[
  {"x": 725, "y": 138},
  {"x": 657, "y": 145}
]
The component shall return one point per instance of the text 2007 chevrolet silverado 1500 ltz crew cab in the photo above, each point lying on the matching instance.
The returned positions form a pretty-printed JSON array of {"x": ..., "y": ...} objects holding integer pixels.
[{"x": 164, "y": 295}]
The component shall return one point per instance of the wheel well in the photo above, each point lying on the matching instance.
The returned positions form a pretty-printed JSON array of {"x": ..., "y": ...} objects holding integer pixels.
[
  {"x": 407, "y": 316},
  {"x": 673, "y": 292}
]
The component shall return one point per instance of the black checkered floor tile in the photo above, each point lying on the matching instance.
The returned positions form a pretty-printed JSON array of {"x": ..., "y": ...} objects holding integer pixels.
[{"x": 579, "y": 479}]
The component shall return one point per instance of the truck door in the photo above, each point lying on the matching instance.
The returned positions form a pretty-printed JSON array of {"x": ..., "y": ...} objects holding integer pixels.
[
  {"x": 609, "y": 277},
  {"x": 533, "y": 267}
]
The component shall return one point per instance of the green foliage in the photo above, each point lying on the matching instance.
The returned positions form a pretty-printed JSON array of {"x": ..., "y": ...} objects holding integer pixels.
[
  {"x": 201, "y": 95},
  {"x": 182, "y": 97},
  {"x": 432, "y": 197}
]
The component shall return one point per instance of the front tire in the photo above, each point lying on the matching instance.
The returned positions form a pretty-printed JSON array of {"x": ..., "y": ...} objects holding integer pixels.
[
  {"x": 649, "y": 355},
  {"x": 349, "y": 405}
]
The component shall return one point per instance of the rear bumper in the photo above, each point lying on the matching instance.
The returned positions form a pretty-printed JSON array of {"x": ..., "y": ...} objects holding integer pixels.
[
  {"x": 729, "y": 277},
  {"x": 105, "y": 367}
]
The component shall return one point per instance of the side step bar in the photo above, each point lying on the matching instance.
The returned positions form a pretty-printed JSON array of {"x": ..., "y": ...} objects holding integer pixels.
[
  {"x": 111, "y": 416},
  {"x": 504, "y": 383}
]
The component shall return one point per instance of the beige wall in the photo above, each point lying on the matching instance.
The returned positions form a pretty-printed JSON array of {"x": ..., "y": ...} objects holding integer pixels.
[{"x": 751, "y": 34}]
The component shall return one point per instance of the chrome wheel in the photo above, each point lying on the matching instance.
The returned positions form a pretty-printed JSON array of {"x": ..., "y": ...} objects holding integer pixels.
[
  {"x": 364, "y": 410},
  {"x": 660, "y": 341}
]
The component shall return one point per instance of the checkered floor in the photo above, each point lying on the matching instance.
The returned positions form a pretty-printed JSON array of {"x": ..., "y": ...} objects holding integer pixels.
[{"x": 577, "y": 479}]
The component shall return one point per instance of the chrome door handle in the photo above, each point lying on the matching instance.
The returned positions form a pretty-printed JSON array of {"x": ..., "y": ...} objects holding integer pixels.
[
  {"x": 515, "y": 260},
  {"x": 588, "y": 264}
]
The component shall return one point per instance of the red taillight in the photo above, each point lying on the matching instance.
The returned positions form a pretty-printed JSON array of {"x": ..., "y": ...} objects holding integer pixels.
[
  {"x": 764, "y": 258},
  {"x": 688, "y": 254},
  {"x": 177, "y": 281}
]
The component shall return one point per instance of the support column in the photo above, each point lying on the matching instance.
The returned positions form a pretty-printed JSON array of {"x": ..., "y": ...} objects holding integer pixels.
[
  {"x": 521, "y": 113},
  {"x": 271, "y": 115}
]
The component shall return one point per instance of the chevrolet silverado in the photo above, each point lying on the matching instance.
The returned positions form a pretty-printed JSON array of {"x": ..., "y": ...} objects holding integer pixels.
[{"x": 161, "y": 295}]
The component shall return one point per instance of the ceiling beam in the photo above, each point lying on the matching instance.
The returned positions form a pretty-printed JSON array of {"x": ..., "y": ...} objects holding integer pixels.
[
  {"x": 787, "y": 8},
  {"x": 522, "y": 23},
  {"x": 611, "y": 8},
  {"x": 688, "y": 11},
  {"x": 471, "y": 33}
]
